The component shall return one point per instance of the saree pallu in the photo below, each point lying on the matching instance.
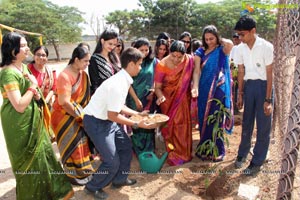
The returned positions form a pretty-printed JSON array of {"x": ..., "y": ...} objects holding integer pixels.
[
  {"x": 72, "y": 141},
  {"x": 215, "y": 83},
  {"x": 46, "y": 80},
  {"x": 143, "y": 139},
  {"x": 38, "y": 173},
  {"x": 100, "y": 70},
  {"x": 176, "y": 88}
]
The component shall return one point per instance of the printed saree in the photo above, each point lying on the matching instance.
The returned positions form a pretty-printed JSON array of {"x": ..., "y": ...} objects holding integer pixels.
[
  {"x": 100, "y": 70},
  {"x": 72, "y": 142},
  {"x": 38, "y": 173},
  {"x": 143, "y": 139},
  {"x": 215, "y": 83},
  {"x": 176, "y": 88}
]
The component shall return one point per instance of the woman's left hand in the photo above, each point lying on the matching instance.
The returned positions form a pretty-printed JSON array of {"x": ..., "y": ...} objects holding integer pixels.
[
  {"x": 37, "y": 96},
  {"x": 194, "y": 92},
  {"x": 139, "y": 105}
]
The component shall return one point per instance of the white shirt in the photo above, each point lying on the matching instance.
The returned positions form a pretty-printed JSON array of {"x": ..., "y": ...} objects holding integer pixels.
[
  {"x": 110, "y": 96},
  {"x": 256, "y": 59},
  {"x": 232, "y": 52}
]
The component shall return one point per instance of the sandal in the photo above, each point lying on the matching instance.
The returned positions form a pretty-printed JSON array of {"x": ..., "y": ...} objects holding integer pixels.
[{"x": 218, "y": 159}]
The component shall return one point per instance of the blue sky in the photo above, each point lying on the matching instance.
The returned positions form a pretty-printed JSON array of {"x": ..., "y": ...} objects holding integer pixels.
[{"x": 102, "y": 7}]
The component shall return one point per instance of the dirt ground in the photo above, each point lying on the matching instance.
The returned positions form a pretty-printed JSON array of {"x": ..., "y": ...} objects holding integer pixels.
[{"x": 194, "y": 180}]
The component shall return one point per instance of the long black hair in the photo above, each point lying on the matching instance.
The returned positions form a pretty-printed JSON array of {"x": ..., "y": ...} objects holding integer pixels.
[
  {"x": 178, "y": 46},
  {"x": 78, "y": 52},
  {"x": 38, "y": 48},
  {"x": 141, "y": 42},
  {"x": 108, "y": 34},
  {"x": 158, "y": 44},
  {"x": 187, "y": 34},
  {"x": 10, "y": 47},
  {"x": 213, "y": 30}
]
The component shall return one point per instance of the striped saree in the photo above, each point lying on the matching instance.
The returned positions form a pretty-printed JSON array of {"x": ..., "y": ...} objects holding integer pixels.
[
  {"x": 72, "y": 142},
  {"x": 176, "y": 88}
]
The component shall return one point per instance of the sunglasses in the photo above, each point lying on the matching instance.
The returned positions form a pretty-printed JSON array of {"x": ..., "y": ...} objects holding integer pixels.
[
  {"x": 118, "y": 45},
  {"x": 185, "y": 41}
]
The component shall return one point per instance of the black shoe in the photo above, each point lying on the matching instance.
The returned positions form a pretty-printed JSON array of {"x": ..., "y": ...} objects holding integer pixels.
[
  {"x": 99, "y": 194},
  {"x": 127, "y": 182},
  {"x": 251, "y": 170},
  {"x": 239, "y": 162}
]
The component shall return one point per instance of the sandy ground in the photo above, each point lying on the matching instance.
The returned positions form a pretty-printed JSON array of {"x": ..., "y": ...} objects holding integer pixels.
[{"x": 194, "y": 180}]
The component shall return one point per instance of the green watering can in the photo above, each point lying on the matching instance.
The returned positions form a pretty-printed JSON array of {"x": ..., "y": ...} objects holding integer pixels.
[{"x": 150, "y": 163}]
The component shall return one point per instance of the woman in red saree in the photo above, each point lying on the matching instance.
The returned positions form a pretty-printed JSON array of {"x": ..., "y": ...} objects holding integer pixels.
[
  {"x": 73, "y": 93},
  {"x": 172, "y": 87},
  {"x": 45, "y": 76}
]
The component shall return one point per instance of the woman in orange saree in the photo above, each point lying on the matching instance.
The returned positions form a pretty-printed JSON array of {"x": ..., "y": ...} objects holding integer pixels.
[
  {"x": 73, "y": 93},
  {"x": 172, "y": 88}
]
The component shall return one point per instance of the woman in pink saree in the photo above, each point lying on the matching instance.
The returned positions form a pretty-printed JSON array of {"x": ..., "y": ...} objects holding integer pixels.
[{"x": 172, "y": 87}]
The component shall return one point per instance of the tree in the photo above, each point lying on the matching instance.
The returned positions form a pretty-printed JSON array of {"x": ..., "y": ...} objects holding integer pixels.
[
  {"x": 176, "y": 16},
  {"x": 121, "y": 20},
  {"x": 57, "y": 24}
]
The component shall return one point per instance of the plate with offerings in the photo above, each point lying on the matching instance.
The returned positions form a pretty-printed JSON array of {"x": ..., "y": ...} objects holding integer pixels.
[{"x": 156, "y": 118}]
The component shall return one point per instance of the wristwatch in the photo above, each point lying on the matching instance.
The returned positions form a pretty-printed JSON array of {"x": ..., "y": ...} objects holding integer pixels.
[
  {"x": 268, "y": 100},
  {"x": 135, "y": 125}
]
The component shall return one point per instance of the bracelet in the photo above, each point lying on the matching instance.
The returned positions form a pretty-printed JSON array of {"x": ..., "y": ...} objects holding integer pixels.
[
  {"x": 135, "y": 125},
  {"x": 34, "y": 91},
  {"x": 269, "y": 100}
]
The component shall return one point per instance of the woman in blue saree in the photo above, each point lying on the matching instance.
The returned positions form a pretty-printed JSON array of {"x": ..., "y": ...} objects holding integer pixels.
[{"x": 212, "y": 67}]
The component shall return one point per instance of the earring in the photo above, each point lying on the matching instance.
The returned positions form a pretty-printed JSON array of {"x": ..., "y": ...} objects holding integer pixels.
[{"x": 13, "y": 53}]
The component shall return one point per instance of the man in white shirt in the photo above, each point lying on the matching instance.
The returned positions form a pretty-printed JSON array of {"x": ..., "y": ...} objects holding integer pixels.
[
  {"x": 236, "y": 41},
  {"x": 254, "y": 59},
  {"x": 102, "y": 122},
  {"x": 233, "y": 67}
]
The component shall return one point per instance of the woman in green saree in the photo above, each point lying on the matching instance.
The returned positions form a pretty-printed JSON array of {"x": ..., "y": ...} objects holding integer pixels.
[
  {"x": 142, "y": 95},
  {"x": 38, "y": 173}
]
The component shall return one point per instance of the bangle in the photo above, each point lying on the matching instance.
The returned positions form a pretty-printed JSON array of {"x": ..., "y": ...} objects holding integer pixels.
[{"x": 34, "y": 91}]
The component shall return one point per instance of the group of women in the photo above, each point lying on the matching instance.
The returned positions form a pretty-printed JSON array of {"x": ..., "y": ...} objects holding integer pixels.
[{"x": 163, "y": 85}]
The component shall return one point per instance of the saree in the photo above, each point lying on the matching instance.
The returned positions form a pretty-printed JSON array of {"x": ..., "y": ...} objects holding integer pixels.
[
  {"x": 100, "y": 70},
  {"x": 143, "y": 139},
  {"x": 72, "y": 141},
  {"x": 38, "y": 173},
  {"x": 46, "y": 80},
  {"x": 176, "y": 88},
  {"x": 214, "y": 84}
]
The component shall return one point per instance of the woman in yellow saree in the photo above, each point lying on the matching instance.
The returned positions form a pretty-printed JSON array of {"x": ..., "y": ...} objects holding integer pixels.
[
  {"x": 73, "y": 93},
  {"x": 38, "y": 173}
]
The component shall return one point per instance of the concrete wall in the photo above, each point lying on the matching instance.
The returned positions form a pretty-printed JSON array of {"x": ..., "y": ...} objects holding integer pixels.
[{"x": 67, "y": 49}]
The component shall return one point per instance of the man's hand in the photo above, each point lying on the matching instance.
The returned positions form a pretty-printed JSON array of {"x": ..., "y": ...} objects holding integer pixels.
[{"x": 268, "y": 108}]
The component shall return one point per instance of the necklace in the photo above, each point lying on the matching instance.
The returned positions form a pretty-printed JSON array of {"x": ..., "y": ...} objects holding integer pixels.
[{"x": 20, "y": 69}]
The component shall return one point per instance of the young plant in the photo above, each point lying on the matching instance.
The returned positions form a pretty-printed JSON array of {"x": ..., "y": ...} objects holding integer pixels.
[{"x": 217, "y": 120}]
